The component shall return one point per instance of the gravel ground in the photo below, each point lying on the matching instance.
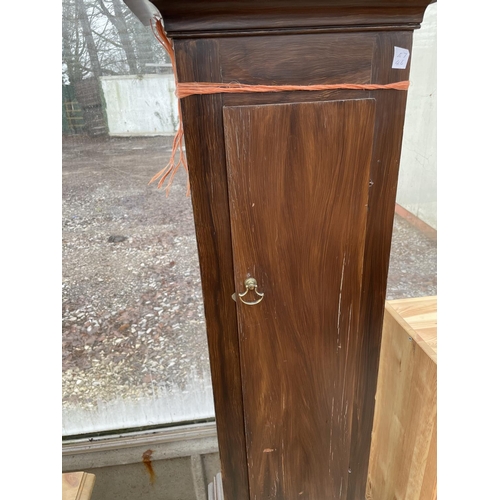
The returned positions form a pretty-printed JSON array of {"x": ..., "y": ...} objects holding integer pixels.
[
  {"x": 413, "y": 264},
  {"x": 132, "y": 304},
  {"x": 132, "y": 312}
]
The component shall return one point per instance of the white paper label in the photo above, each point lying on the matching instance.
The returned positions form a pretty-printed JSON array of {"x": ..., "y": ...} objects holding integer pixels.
[{"x": 401, "y": 57}]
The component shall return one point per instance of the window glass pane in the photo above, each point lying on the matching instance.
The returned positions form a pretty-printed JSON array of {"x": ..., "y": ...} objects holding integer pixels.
[{"x": 134, "y": 342}]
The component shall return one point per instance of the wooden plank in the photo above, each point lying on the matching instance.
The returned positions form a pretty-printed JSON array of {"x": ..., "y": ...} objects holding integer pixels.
[
  {"x": 201, "y": 60},
  {"x": 236, "y": 15},
  {"x": 77, "y": 485},
  {"x": 421, "y": 315},
  {"x": 204, "y": 137},
  {"x": 298, "y": 184},
  {"x": 338, "y": 58},
  {"x": 403, "y": 452},
  {"x": 382, "y": 198}
]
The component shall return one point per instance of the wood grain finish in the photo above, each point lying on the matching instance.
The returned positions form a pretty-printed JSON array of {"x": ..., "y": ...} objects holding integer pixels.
[
  {"x": 189, "y": 16},
  {"x": 339, "y": 59},
  {"x": 421, "y": 315},
  {"x": 403, "y": 452},
  {"x": 231, "y": 41},
  {"x": 298, "y": 184},
  {"x": 384, "y": 176},
  {"x": 198, "y": 60},
  {"x": 77, "y": 485}
]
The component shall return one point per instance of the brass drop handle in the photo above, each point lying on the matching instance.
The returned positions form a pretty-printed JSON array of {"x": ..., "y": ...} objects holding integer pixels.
[{"x": 251, "y": 284}]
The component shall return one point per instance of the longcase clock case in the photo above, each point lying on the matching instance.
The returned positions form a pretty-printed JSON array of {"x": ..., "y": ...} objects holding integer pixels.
[{"x": 295, "y": 191}]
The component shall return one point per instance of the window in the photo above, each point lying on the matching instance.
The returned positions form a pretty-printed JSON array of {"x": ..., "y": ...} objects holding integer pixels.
[{"x": 134, "y": 343}]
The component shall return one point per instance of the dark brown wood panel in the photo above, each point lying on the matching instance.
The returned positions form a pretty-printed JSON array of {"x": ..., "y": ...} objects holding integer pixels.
[
  {"x": 198, "y": 61},
  {"x": 325, "y": 58},
  {"x": 188, "y": 16},
  {"x": 231, "y": 40},
  {"x": 289, "y": 97},
  {"x": 389, "y": 123},
  {"x": 298, "y": 179}
]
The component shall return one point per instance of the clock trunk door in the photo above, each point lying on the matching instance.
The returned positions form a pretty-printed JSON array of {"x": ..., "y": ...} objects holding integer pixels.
[{"x": 298, "y": 179}]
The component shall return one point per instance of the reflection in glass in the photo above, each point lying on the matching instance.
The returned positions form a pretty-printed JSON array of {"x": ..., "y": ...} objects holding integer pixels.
[{"x": 134, "y": 343}]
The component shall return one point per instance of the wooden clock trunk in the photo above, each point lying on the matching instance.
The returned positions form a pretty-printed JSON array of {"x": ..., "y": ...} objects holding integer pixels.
[{"x": 296, "y": 190}]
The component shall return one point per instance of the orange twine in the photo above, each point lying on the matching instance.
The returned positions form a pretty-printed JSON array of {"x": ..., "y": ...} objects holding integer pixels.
[
  {"x": 172, "y": 167},
  {"x": 206, "y": 88},
  {"x": 199, "y": 88}
]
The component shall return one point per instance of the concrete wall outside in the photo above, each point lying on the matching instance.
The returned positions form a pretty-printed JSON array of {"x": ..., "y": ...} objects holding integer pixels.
[
  {"x": 173, "y": 480},
  {"x": 417, "y": 186},
  {"x": 182, "y": 462},
  {"x": 140, "y": 105}
]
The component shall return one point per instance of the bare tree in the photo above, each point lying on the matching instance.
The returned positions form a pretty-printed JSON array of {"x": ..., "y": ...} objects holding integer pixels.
[
  {"x": 83, "y": 19},
  {"x": 72, "y": 49},
  {"x": 102, "y": 37},
  {"x": 117, "y": 19}
]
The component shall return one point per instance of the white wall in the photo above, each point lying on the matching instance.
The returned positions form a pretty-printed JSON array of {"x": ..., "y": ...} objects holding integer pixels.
[
  {"x": 140, "y": 105},
  {"x": 417, "y": 187}
]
